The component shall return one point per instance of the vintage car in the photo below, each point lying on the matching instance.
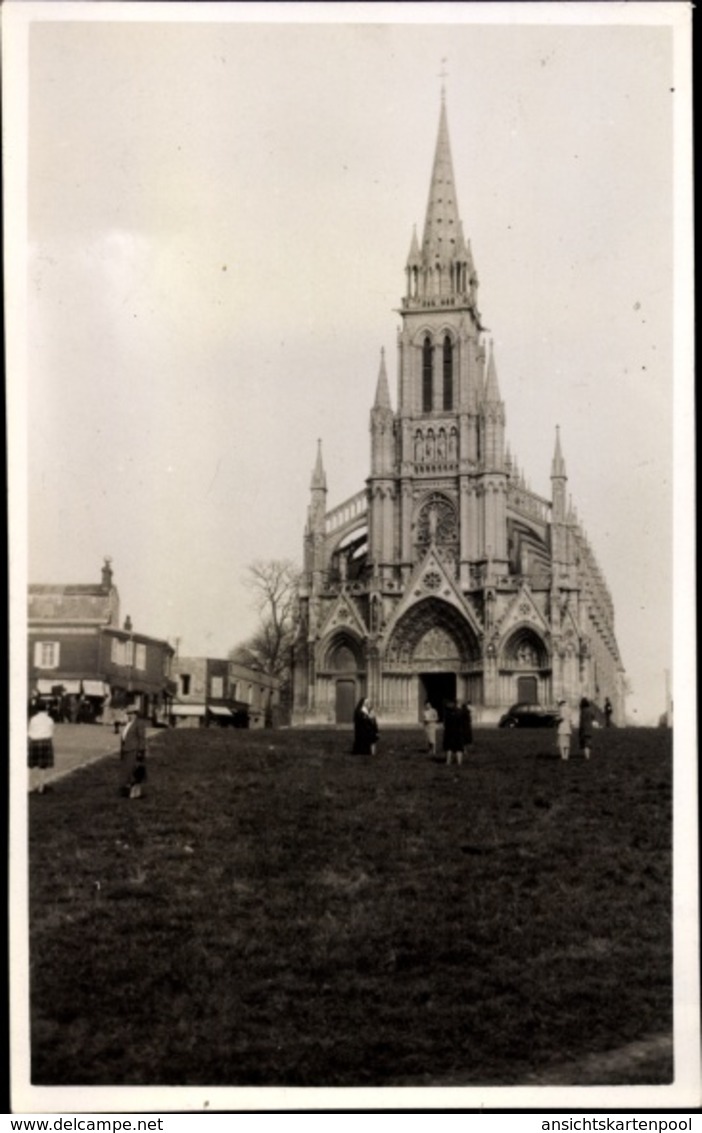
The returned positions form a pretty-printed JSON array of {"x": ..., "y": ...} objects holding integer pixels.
[{"x": 529, "y": 716}]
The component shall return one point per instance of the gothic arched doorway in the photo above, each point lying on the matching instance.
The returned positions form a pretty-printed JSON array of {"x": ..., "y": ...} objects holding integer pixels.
[
  {"x": 431, "y": 655},
  {"x": 525, "y": 666},
  {"x": 343, "y": 662}
]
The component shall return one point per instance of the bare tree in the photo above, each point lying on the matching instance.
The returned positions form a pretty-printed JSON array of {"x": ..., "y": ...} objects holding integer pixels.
[{"x": 273, "y": 584}]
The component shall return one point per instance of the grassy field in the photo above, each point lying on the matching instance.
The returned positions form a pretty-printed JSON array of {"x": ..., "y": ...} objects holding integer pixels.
[{"x": 279, "y": 912}]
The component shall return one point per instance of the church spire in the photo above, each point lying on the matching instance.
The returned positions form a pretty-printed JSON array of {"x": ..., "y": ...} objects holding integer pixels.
[
  {"x": 442, "y": 226},
  {"x": 382, "y": 393}
]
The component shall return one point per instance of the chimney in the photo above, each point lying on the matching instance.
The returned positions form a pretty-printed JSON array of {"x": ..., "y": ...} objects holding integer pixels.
[{"x": 107, "y": 573}]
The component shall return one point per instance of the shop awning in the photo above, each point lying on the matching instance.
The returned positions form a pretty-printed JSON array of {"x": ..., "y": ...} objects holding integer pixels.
[
  {"x": 46, "y": 687},
  {"x": 187, "y": 710},
  {"x": 217, "y": 711},
  {"x": 95, "y": 688}
]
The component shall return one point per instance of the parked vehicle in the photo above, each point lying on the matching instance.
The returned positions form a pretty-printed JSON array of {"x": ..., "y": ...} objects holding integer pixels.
[{"x": 529, "y": 716}]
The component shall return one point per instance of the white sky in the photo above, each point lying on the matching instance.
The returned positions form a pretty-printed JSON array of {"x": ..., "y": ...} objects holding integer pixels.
[{"x": 218, "y": 218}]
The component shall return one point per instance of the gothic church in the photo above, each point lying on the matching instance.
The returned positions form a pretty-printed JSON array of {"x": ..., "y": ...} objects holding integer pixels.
[{"x": 446, "y": 577}]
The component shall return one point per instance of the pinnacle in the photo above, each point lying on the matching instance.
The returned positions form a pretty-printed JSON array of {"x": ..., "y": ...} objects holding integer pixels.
[
  {"x": 382, "y": 393},
  {"x": 319, "y": 479},
  {"x": 558, "y": 468}
]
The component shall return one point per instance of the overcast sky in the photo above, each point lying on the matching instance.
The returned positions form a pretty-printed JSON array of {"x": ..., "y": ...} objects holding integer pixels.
[{"x": 218, "y": 218}]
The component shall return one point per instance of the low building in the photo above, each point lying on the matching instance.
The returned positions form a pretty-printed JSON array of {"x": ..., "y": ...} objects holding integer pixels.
[
  {"x": 86, "y": 666},
  {"x": 211, "y": 691}
]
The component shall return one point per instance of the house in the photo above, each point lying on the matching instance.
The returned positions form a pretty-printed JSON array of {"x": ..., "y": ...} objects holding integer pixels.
[
  {"x": 212, "y": 691},
  {"x": 83, "y": 663}
]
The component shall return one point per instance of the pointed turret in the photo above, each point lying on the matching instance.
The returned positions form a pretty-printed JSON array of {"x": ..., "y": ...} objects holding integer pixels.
[
  {"x": 559, "y": 514},
  {"x": 316, "y": 519},
  {"x": 414, "y": 259},
  {"x": 492, "y": 389},
  {"x": 558, "y": 468},
  {"x": 382, "y": 392},
  {"x": 382, "y": 421},
  {"x": 319, "y": 478}
]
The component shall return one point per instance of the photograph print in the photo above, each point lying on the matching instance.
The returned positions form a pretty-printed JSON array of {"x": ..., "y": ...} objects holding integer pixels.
[{"x": 350, "y": 446}]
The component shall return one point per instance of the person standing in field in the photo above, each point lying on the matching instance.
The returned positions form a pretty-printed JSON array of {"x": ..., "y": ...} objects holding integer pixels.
[
  {"x": 40, "y": 748},
  {"x": 564, "y": 727},
  {"x": 453, "y": 733},
  {"x": 374, "y": 730},
  {"x": 365, "y": 728},
  {"x": 431, "y": 718},
  {"x": 586, "y": 727},
  {"x": 608, "y": 712},
  {"x": 133, "y": 749},
  {"x": 467, "y": 722}
]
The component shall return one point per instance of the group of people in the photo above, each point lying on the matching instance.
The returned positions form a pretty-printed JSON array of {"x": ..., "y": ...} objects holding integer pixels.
[
  {"x": 40, "y": 750},
  {"x": 564, "y": 728},
  {"x": 458, "y": 729}
]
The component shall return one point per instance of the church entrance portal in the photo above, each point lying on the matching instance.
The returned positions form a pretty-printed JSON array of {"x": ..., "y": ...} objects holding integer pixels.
[
  {"x": 345, "y": 701},
  {"x": 437, "y": 688}
]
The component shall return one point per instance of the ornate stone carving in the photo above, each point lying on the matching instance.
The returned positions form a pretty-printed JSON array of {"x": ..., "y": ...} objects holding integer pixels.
[
  {"x": 437, "y": 645},
  {"x": 431, "y": 580},
  {"x": 437, "y": 522}
]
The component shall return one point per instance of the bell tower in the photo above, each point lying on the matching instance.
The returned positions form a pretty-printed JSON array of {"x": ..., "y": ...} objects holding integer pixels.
[{"x": 450, "y": 414}]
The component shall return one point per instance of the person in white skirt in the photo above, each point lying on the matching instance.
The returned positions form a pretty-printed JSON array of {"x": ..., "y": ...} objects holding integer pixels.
[
  {"x": 564, "y": 729},
  {"x": 40, "y": 749}
]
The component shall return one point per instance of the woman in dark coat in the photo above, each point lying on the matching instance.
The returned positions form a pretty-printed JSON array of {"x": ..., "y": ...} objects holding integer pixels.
[
  {"x": 467, "y": 719},
  {"x": 453, "y": 732},
  {"x": 365, "y": 729},
  {"x": 133, "y": 752},
  {"x": 586, "y": 727}
]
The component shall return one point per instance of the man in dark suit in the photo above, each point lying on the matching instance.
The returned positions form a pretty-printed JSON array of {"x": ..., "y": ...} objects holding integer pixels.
[{"x": 133, "y": 750}]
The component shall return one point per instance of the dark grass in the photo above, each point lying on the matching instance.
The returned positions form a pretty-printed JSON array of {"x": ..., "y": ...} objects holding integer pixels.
[{"x": 277, "y": 911}]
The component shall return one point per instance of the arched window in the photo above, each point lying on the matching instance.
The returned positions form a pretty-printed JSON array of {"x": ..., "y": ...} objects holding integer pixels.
[
  {"x": 448, "y": 373},
  {"x": 427, "y": 376}
]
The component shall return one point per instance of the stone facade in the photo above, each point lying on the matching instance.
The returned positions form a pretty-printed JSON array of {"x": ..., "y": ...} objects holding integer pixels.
[{"x": 447, "y": 577}]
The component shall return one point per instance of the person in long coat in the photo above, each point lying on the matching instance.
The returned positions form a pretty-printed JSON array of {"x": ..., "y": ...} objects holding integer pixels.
[
  {"x": 467, "y": 721},
  {"x": 453, "y": 732},
  {"x": 365, "y": 729},
  {"x": 133, "y": 752},
  {"x": 586, "y": 727}
]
